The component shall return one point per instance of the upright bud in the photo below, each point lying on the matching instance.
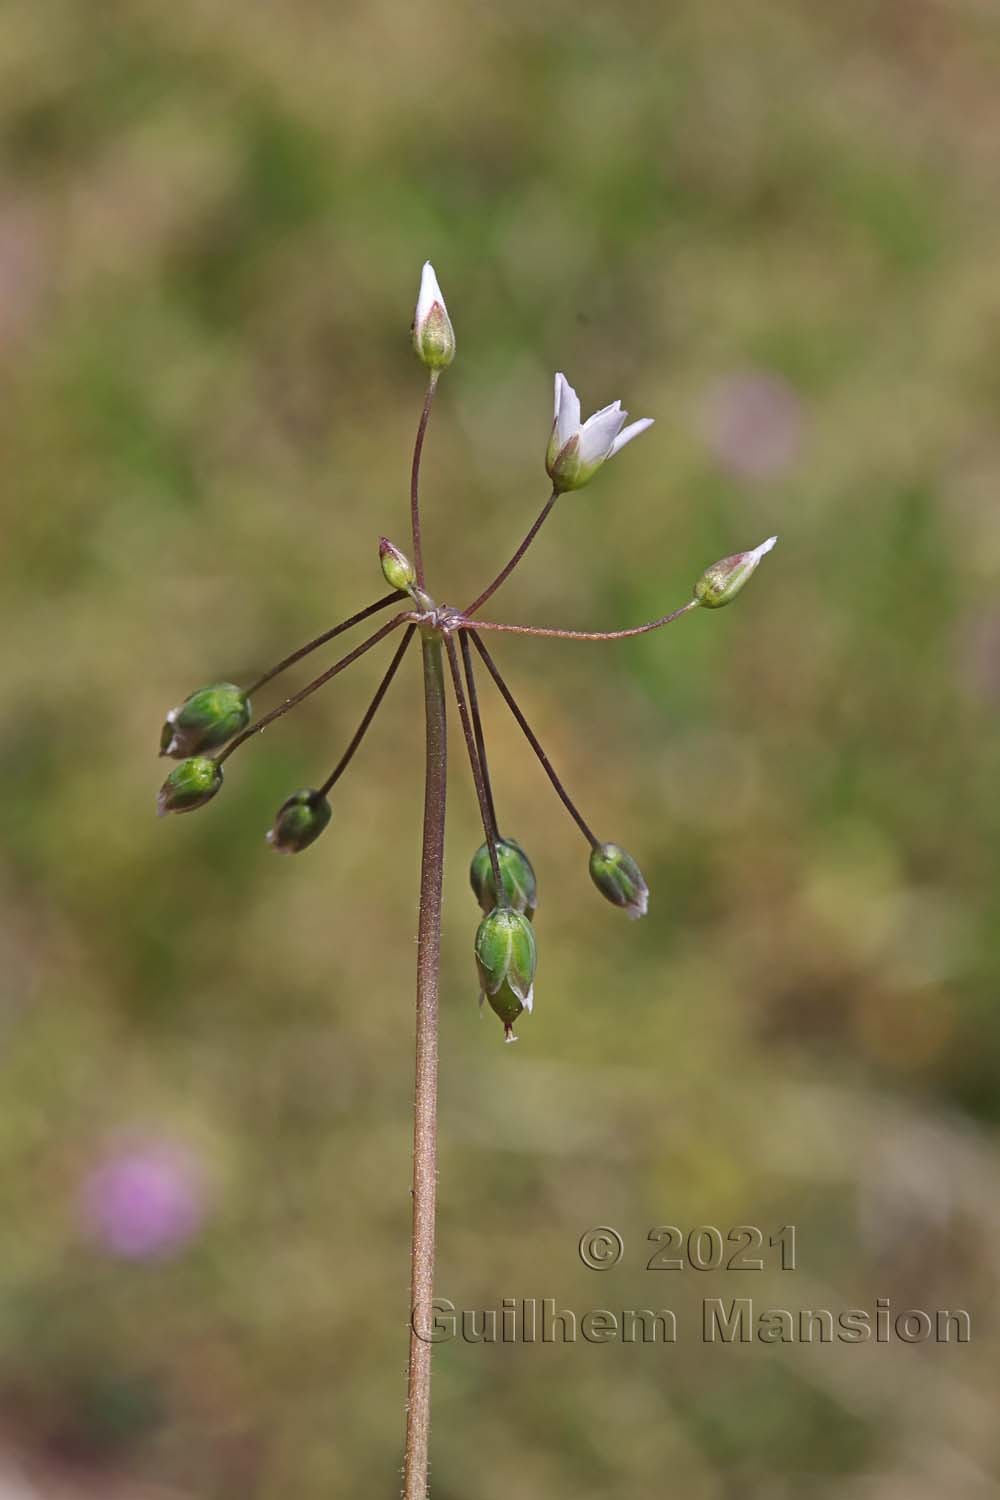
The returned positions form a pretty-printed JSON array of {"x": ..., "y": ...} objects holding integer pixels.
[
  {"x": 520, "y": 889},
  {"x": 397, "y": 570},
  {"x": 720, "y": 583},
  {"x": 506, "y": 959},
  {"x": 189, "y": 785},
  {"x": 433, "y": 335},
  {"x": 618, "y": 877},
  {"x": 205, "y": 720},
  {"x": 299, "y": 822}
]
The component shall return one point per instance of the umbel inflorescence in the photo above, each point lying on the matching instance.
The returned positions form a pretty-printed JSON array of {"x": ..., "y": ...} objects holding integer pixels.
[{"x": 212, "y": 723}]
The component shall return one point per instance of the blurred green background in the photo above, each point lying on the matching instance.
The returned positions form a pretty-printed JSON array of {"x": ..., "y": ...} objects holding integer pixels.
[{"x": 774, "y": 228}]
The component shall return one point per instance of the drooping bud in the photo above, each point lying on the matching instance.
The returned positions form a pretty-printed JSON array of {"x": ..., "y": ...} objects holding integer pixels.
[
  {"x": 520, "y": 889},
  {"x": 205, "y": 720},
  {"x": 618, "y": 877},
  {"x": 720, "y": 583},
  {"x": 190, "y": 784},
  {"x": 397, "y": 570},
  {"x": 433, "y": 335},
  {"x": 299, "y": 822},
  {"x": 506, "y": 957}
]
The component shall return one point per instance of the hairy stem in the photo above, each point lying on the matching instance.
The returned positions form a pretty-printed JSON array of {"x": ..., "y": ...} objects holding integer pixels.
[
  {"x": 310, "y": 687},
  {"x": 579, "y": 635},
  {"x": 369, "y": 714},
  {"x": 477, "y": 770},
  {"x": 505, "y": 573},
  {"x": 532, "y": 739},
  {"x": 418, "y": 448},
  {"x": 418, "y": 1386},
  {"x": 328, "y": 635}
]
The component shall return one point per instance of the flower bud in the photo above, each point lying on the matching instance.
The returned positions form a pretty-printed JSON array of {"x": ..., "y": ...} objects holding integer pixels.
[
  {"x": 300, "y": 820},
  {"x": 506, "y": 959},
  {"x": 520, "y": 890},
  {"x": 206, "y": 719},
  {"x": 190, "y": 784},
  {"x": 433, "y": 335},
  {"x": 397, "y": 570},
  {"x": 618, "y": 877},
  {"x": 720, "y": 583}
]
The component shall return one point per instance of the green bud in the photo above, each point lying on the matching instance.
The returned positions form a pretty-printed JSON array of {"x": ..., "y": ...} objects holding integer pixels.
[
  {"x": 618, "y": 877},
  {"x": 205, "y": 720},
  {"x": 190, "y": 784},
  {"x": 506, "y": 957},
  {"x": 520, "y": 889},
  {"x": 433, "y": 335},
  {"x": 397, "y": 570},
  {"x": 720, "y": 583},
  {"x": 300, "y": 820}
]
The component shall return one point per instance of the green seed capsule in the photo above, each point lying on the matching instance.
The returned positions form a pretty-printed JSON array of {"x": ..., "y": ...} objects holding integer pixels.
[
  {"x": 191, "y": 784},
  {"x": 506, "y": 958},
  {"x": 520, "y": 889},
  {"x": 299, "y": 822},
  {"x": 205, "y": 720},
  {"x": 618, "y": 877}
]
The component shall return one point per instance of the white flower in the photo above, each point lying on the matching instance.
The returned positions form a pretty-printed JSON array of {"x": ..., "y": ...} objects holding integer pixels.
[
  {"x": 576, "y": 453},
  {"x": 433, "y": 335}
]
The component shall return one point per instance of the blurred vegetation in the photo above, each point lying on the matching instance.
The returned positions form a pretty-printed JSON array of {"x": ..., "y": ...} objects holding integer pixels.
[{"x": 773, "y": 227}]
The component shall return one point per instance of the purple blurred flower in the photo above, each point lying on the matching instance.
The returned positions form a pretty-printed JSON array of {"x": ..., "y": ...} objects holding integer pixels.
[
  {"x": 143, "y": 1200},
  {"x": 21, "y": 268},
  {"x": 979, "y": 656},
  {"x": 752, "y": 422}
]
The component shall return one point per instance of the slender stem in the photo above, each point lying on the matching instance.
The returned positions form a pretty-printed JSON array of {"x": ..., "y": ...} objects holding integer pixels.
[
  {"x": 370, "y": 712},
  {"x": 418, "y": 1386},
  {"x": 477, "y": 771},
  {"x": 505, "y": 573},
  {"x": 532, "y": 739},
  {"x": 477, "y": 729},
  {"x": 578, "y": 635},
  {"x": 418, "y": 448},
  {"x": 310, "y": 687},
  {"x": 327, "y": 635}
]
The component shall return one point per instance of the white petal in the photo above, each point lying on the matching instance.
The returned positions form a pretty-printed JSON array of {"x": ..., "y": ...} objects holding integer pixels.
[
  {"x": 605, "y": 413},
  {"x": 631, "y": 431},
  {"x": 567, "y": 414},
  {"x": 599, "y": 433},
  {"x": 529, "y": 1000},
  {"x": 762, "y": 550},
  {"x": 430, "y": 293}
]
